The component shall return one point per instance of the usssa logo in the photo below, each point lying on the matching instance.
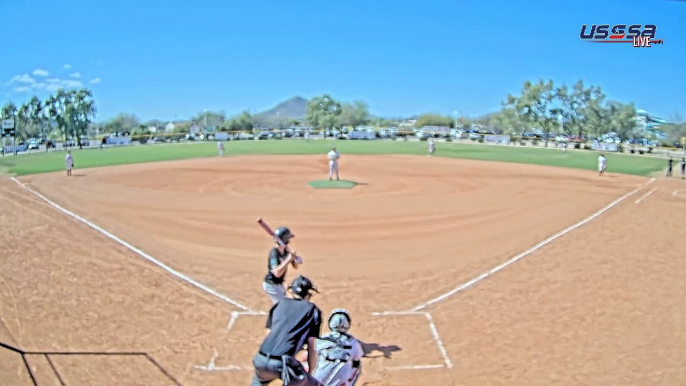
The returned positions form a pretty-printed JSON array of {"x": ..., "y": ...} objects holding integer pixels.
[{"x": 638, "y": 34}]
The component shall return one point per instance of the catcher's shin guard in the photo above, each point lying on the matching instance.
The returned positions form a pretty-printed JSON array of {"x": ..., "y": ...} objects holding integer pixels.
[{"x": 356, "y": 377}]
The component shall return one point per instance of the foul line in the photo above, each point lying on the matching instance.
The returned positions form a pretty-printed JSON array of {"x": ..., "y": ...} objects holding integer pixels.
[
  {"x": 645, "y": 195},
  {"x": 136, "y": 250},
  {"x": 525, "y": 253}
]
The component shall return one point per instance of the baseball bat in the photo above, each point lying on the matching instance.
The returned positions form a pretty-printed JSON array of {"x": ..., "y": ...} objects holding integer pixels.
[{"x": 269, "y": 230}]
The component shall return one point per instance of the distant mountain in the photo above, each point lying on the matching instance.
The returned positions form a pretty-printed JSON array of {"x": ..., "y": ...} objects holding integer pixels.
[{"x": 292, "y": 108}]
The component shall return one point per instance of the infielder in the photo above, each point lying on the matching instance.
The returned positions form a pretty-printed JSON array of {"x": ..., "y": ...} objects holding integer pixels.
[
  {"x": 220, "y": 146},
  {"x": 432, "y": 147},
  {"x": 339, "y": 354},
  {"x": 70, "y": 163},
  {"x": 670, "y": 163},
  {"x": 333, "y": 163},
  {"x": 277, "y": 264},
  {"x": 602, "y": 164},
  {"x": 683, "y": 168}
]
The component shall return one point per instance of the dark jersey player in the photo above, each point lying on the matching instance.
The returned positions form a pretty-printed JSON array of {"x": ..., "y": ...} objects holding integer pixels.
[
  {"x": 277, "y": 266},
  {"x": 292, "y": 323},
  {"x": 670, "y": 163},
  {"x": 683, "y": 168}
]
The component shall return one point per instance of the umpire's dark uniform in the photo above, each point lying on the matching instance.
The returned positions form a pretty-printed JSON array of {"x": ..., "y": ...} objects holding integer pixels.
[{"x": 292, "y": 322}]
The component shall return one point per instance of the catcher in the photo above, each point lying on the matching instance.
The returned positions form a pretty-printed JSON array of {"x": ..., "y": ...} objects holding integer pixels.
[
  {"x": 277, "y": 265},
  {"x": 339, "y": 354}
]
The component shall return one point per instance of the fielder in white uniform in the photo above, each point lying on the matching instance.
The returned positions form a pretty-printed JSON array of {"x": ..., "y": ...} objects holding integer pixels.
[
  {"x": 220, "y": 146},
  {"x": 333, "y": 163},
  {"x": 70, "y": 162},
  {"x": 602, "y": 164},
  {"x": 432, "y": 147},
  {"x": 339, "y": 354}
]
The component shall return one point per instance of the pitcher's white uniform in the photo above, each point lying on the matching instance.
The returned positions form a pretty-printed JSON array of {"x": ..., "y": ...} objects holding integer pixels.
[
  {"x": 333, "y": 162},
  {"x": 602, "y": 163}
]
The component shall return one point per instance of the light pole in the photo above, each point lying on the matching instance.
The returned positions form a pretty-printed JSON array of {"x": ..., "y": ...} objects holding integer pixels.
[{"x": 205, "y": 120}]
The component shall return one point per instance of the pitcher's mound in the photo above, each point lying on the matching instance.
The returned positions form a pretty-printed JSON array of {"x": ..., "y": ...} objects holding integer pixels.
[{"x": 326, "y": 184}]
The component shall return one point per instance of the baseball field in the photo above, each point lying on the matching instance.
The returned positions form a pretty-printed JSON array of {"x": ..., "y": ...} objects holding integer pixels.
[{"x": 484, "y": 265}]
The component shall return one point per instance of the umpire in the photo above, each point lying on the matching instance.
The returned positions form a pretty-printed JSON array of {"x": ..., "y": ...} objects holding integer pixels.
[{"x": 292, "y": 322}]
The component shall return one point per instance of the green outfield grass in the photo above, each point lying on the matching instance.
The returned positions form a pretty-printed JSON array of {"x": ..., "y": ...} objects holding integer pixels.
[{"x": 88, "y": 158}]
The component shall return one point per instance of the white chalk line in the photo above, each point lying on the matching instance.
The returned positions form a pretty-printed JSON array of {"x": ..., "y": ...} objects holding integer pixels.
[
  {"x": 645, "y": 195},
  {"x": 211, "y": 364},
  {"x": 438, "y": 341},
  {"x": 135, "y": 250},
  {"x": 512, "y": 260}
]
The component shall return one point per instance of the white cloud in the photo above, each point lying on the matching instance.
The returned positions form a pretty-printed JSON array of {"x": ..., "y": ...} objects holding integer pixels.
[
  {"x": 25, "y": 83},
  {"x": 96, "y": 80},
  {"x": 40, "y": 72},
  {"x": 67, "y": 66},
  {"x": 26, "y": 78},
  {"x": 75, "y": 75}
]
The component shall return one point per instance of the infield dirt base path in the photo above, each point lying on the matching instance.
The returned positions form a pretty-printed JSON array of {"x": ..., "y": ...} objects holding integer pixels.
[{"x": 413, "y": 229}]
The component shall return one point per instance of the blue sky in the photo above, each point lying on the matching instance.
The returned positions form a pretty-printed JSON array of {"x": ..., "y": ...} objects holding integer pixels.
[{"x": 173, "y": 59}]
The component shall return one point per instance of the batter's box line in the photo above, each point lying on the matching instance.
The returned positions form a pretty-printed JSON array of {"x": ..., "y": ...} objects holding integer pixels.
[{"x": 211, "y": 364}]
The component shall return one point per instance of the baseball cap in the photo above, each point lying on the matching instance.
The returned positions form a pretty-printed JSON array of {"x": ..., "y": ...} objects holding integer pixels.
[{"x": 301, "y": 286}]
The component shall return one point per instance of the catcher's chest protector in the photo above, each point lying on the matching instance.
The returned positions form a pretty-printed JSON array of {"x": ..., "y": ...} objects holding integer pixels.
[{"x": 334, "y": 364}]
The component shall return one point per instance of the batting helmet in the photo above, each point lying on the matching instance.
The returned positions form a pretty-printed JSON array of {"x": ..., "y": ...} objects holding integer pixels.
[
  {"x": 284, "y": 234},
  {"x": 339, "y": 320}
]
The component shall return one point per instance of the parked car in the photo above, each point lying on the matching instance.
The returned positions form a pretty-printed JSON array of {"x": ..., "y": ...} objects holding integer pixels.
[{"x": 33, "y": 144}]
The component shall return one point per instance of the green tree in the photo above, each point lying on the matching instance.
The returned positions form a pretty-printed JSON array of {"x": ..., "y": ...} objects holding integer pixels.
[
  {"x": 354, "y": 114},
  {"x": 82, "y": 112},
  {"x": 121, "y": 122},
  {"x": 433, "y": 119},
  {"x": 621, "y": 119},
  {"x": 323, "y": 112},
  {"x": 9, "y": 110},
  {"x": 536, "y": 105},
  {"x": 241, "y": 122}
]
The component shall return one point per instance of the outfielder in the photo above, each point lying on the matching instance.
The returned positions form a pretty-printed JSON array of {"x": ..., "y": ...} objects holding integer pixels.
[
  {"x": 339, "y": 354},
  {"x": 602, "y": 164},
  {"x": 432, "y": 147},
  {"x": 277, "y": 264},
  {"x": 220, "y": 146},
  {"x": 70, "y": 162},
  {"x": 333, "y": 163}
]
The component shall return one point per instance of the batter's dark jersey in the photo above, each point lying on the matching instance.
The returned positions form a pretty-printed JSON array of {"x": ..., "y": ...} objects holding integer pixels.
[
  {"x": 291, "y": 322},
  {"x": 275, "y": 259}
]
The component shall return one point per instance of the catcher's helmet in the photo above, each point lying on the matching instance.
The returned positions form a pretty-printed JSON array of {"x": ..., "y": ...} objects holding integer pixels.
[
  {"x": 339, "y": 320},
  {"x": 284, "y": 234}
]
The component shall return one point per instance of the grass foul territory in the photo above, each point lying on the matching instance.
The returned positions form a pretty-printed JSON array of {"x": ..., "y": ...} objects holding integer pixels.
[{"x": 87, "y": 158}]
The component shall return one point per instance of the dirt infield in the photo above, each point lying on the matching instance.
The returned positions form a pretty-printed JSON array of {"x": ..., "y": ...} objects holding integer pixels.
[{"x": 596, "y": 306}]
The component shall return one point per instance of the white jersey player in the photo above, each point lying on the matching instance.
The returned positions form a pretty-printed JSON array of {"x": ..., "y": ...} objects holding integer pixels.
[
  {"x": 333, "y": 163},
  {"x": 220, "y": 147},
  {"x": 432, "y": 147},
  {"x": 602, "y": 164},
  {"x": 69, "y": 162},
  {"x": 339, "y": 354}
]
